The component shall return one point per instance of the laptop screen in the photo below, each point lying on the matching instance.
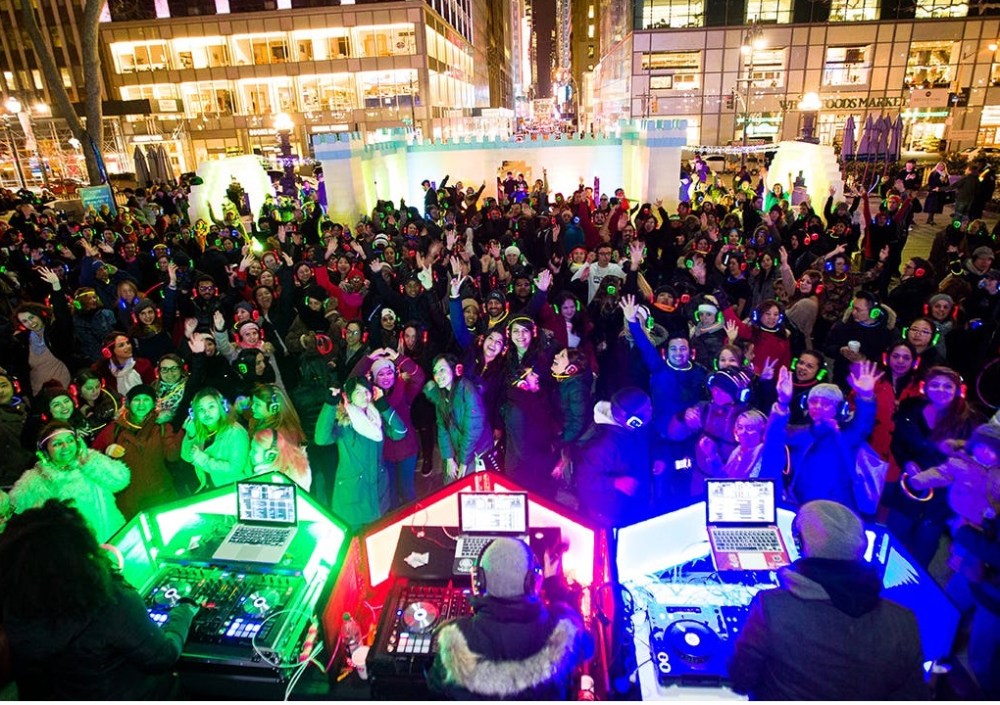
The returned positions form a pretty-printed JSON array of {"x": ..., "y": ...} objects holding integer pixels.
[
  {"x": 741, "y": 501},
  {"x": 266, "y": 503},
  {"x": 493, "y": 512}
]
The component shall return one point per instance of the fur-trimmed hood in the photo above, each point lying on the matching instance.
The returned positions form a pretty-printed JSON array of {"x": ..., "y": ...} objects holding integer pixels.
[{"x": 539, "y": 675}]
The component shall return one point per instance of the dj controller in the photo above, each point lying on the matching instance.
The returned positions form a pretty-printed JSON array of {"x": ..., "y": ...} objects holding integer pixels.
[
  {"x": 406, "y": 639},
  {"x": 246, "y": 620},
  {"x": 692, "y": 644}
]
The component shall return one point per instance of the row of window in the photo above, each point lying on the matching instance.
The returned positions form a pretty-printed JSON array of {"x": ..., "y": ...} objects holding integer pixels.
[
  {"x": 677, "y": 14},
  {"x": 928, "y": 65},
  {"x": 262, "y": 49},
  {"x": 337, "y": 93}
]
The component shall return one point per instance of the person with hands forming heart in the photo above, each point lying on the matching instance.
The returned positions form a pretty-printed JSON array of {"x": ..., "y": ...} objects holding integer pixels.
[
  {"x": 399, "y": 379},
  {"x": 823, "y": 454},
  {"x": 359, "y": 420}
]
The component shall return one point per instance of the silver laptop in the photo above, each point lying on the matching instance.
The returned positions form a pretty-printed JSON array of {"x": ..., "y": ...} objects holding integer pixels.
[
  {"x": 742, "y": 525},
  {"x": 483, "y": 517},
  {"x": 266, "y": 523}
]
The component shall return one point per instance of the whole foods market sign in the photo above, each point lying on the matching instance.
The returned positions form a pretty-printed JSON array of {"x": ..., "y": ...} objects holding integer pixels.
[{"x": 851, "y": 103}]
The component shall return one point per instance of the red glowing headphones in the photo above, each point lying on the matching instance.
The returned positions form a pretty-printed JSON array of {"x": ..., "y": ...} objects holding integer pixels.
[
  {"x": 950, "y": 374},
  {"x": 913, "y": 367}
]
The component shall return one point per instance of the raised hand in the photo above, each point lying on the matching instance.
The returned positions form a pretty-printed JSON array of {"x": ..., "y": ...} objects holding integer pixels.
[
  {"x": 768, "y": 370},
  {"x": 456, "y": 264},
  {"x": 219, "y": 321},
  {"x": 863, "y": 381},
  {"x": 783, "y": 254},
  {"x": 544, "y": 280},
  {"x": 456, "y": 286},
  {"x": 189, "y": 325},
  {"x": 196, "y": 344},
  {"x": 732, "y": 331},
  {"x": 635, "y": 249},
  {"x": 629, "y": 308},
  {"x": 785, "y": 386},
  {"x": 50, "y": 277}
]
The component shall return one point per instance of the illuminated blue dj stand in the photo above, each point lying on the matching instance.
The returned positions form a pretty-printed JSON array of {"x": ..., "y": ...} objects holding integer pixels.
[{"x": 683, "y": 618}]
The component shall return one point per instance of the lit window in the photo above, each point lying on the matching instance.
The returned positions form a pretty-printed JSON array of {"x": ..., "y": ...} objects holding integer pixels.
[
  {"x": 846, "y": 66},
  {"x": 590, "y": 31},
  {"x": 770, "y": 11},
  {"x": 590, "y": 12},
  {"x": 67, "y": 77},
  {"x": 853, "y": 10},
  {"x": 931, "y": 9},
  {"x": 673, "y": 70},
  {"x": 132, "y": 57},
  {"x": 660, "y": 14},
  {"x": 929, "y": 65},
  {"x": 768, "y": 68}
]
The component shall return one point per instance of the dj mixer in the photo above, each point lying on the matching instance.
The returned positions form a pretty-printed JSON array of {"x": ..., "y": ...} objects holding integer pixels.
[
  {"x": 406, "y": 639},
  {"x": 246, "y": 620}
]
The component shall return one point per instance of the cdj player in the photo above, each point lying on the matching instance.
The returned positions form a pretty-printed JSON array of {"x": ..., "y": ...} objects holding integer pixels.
[
  {"x": 246, "y": 621},
  {"x": 407, "y": 631},
  {"x": 692, "y": 644}
]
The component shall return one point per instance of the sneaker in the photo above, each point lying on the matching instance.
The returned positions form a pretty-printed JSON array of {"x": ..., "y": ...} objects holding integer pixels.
[{"x": 426, "y": 470}]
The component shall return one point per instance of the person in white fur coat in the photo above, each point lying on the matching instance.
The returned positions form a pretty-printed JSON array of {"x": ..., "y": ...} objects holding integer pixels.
[{"x": 68, "y": 470}]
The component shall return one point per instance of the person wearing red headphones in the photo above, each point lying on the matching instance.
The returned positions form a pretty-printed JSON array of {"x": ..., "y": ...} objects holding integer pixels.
[
  {"x": 118, "y": 366},
  {"x": 68, "y": 470},
  {"x": 517, "y": 646}
]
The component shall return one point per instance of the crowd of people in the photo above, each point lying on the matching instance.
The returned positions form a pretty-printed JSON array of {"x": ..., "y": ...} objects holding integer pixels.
[{"x": 601, "y": 351}]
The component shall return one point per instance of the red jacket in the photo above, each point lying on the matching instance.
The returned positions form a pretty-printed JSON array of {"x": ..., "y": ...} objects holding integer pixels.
[{"x": 777, "y": 345}]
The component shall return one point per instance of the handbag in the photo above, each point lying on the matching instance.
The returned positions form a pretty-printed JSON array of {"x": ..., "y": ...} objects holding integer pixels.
[{"x": 869, "y": 479}]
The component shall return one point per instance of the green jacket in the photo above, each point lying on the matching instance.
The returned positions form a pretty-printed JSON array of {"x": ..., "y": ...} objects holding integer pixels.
[
  {"x": 360, "y": 489},
  {"x": 463, "y": 429}
]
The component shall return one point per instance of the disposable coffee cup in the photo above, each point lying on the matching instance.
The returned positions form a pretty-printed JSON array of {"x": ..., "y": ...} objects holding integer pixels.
[
  {"x": 854, "y": 345},
  {"x": 359, "y": 658}
]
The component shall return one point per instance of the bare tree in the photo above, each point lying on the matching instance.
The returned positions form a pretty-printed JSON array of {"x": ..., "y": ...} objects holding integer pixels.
[{"x": 91, "y": 133}]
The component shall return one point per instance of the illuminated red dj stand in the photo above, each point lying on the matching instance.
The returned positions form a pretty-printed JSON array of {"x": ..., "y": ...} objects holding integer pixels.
[{"x": 398, "y": 580}]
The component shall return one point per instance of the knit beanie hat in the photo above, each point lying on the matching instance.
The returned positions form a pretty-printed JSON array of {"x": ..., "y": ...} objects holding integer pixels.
[
  {"x": 828, "y": 529},
  {"x": 983, "y": 251},
  {"x": 497, "y": 295},
  {"x": 140, "y": 389},
  {"x": 631, "y": 408},
  {"x": 143, "y": 305},
  {"x": 512, "y": 250},
  {"x": 505, "y": 563},
  {"x": 987, "y": 434},
  {"x": 379, "y": 364},
  {"x": 241, "y": 306},
  {"x": 827, "y": 391},
  {"x": 940, "y": 297},
  {"x": 315, "y": 291},
  {"x": 470, "y": 303},
  {"x": 732, "y": 382}
]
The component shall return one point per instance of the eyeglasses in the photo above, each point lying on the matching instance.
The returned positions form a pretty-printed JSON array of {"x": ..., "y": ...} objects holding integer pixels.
[{"x": 172, "y": 368}]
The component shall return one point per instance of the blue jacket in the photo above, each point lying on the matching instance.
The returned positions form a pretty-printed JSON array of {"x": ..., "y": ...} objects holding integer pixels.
[
  {"x": 671, "y": 390},
  {"x": 824, "y": 458}
]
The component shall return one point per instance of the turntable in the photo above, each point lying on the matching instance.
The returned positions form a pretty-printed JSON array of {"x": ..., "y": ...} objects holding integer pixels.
[{"x": 689, "y": 644}]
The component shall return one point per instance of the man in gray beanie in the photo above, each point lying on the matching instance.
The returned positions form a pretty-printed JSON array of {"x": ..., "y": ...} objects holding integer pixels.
[
  {"x": 516, "y": 646},
  {"x": 826, "y": 633}
]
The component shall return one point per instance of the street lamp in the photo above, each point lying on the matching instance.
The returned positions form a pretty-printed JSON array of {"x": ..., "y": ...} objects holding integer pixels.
[
  {"x": 809, "y": 106},
  {"x": 284, "y": 125},
  {"x": 753, "y": 40},
  {"x": 13, "y": 106}
]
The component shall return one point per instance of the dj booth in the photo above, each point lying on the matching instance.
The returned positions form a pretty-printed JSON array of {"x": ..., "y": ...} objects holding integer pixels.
[
  {"x": 404, "y": 574},
  {"x": 664, "y": 618},
  {"x": 683, "y": 616},
  {"x": 259, "y": 625}
]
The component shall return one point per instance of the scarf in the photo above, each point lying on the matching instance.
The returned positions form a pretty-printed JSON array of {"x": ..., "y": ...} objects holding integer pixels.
[
  {"x": 126, "y": 375},
  {"x": 701, "y": 329},
  {"x": 169, "y": 397},
  {"x": 367, "y": 422}
]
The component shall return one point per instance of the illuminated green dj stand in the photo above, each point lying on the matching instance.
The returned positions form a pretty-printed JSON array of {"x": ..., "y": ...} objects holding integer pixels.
[{"x": 260, "y": 618}]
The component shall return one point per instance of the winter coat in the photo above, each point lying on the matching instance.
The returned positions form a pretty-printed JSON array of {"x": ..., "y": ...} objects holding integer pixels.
[
  {"x": 117, "y": 653},
  {"x": 826, "y": 634},
  {"x": 605, "y": 453},
  {"x": 824, "y": 458},
  {"x": 147, "y": 449},
  {"x": 90, "y": 486},
  {"x": 227, "y": 456},
  {"x": 409, "y": 382},
  {"x": 360, "y": 485},
  {"x": 671, "y": 390},
  {"x": 510, "y": 649},
  {"x": 16, "y": 458},
  {"x": 463, "y": 430}
]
